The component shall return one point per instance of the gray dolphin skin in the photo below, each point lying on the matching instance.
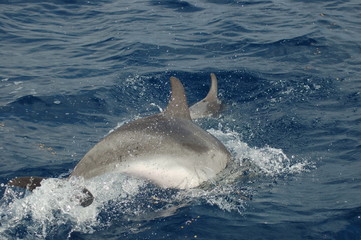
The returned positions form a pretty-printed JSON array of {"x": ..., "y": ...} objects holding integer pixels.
[
  {"x": 210, "y": 106},
  {"x": 167, "y": 149}
]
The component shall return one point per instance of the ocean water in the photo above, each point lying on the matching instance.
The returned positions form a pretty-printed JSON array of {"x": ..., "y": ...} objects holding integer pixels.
[{"x": 289, "y": 76}]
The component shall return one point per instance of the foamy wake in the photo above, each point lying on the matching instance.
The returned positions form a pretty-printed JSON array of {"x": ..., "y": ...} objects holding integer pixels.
[
  {"x": 52, "y": 209},
  {"x": 266, "y": 160}
]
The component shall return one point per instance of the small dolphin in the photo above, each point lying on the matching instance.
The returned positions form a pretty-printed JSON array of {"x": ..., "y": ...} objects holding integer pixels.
[
  {"x": 166, "y": 148},
  {"x": 210, "y": 106}
]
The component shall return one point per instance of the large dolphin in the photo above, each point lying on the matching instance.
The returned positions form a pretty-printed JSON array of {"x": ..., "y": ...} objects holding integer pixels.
[{"x": 166, "y": 148}]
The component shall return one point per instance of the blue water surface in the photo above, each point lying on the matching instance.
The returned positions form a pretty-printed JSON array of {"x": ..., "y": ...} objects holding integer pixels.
[{"x": 289, "y": 76}]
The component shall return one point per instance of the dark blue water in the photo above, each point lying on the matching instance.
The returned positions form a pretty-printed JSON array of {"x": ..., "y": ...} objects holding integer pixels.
[{"x": 289, "y": 75}]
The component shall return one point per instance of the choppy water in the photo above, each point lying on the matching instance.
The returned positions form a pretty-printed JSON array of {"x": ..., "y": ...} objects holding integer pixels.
[{"x": 289, "y": 74}]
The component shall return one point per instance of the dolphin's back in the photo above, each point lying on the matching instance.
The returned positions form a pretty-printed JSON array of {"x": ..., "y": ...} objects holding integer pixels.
[
  {"x": 171, "y": 152},
  {"x": 166, "y": 148}
]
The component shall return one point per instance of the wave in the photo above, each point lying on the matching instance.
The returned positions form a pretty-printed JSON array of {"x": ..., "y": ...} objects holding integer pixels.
[{"x": 50, "y": 210}]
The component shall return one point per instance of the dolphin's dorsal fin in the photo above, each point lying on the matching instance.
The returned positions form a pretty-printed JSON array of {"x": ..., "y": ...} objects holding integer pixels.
[
  {"x": 213, "y": 91},
  {"x": 210, "y": 106},
  {"x": 177, "y": 106}
]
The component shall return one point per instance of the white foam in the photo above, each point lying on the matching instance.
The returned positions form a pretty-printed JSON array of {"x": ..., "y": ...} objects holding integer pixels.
[
  {"x": 51, "y": 206},
  {"x": 266, "y": 160}
]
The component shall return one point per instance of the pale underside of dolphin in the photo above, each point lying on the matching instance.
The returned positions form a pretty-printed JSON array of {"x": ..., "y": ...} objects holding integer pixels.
[{"x": 167, "y": 148}]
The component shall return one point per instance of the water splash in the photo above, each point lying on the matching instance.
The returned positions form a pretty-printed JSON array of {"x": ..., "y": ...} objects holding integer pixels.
[
  {"x": 266, "y": 160},
  {"x": 52, "y": 211}
]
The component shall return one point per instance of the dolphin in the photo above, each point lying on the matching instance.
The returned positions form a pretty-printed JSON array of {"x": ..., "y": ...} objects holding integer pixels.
[
  {"x": 210, "y": 106},
  {"x": 167, "y": 149}
]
